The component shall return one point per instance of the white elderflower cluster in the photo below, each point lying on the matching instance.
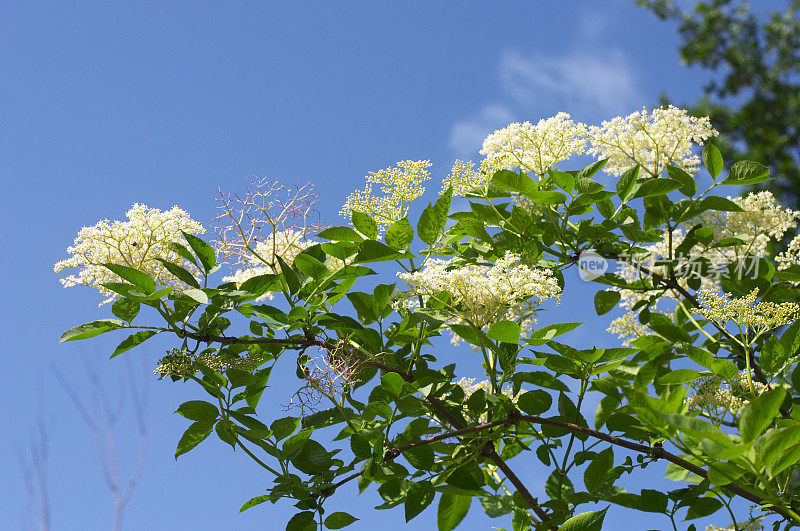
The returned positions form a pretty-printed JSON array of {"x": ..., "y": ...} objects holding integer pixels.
[
  {"x": 400, "y": 186},
  {"x": 653, "y": 140},
  {"x": 628, "y": 327},
  {"x": 470, "y": 386},
  {"x": 716, "y": 396},
  {"x": 761, "y": 218},
  {"x": 791, "y": 256},
  {"x": 482, "y": 295},
  {"x": 137, "y": 243},
  {"x": 536, "y": 148},
  {"x": 759, "y": 317},
  {"x": 464, "y": 178}
]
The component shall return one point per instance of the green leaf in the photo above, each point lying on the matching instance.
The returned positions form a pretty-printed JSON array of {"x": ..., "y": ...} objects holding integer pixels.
[
  {"x": 94, "y": 328},
  {"x": 563, "y": 180},
  {"x": 760, "y": 413},
  {"x": 535, "y": 402},
  {"x": 596, "y": 473},
  {"x": 452, "y": 509},
  {"x": 180, "y": 273},
  {"x": 505, "y": 331},
  {"x": 654, "y": 187},
  {"x": 773, "y": 357},
  {"x": 589, "y": 521},
  {"x": 302, "y": 522},
  {"x": 393, "y": 383},
  {"x": 132, "y": 341},
  {"x": 198, "y": 410},
  {"x": 626, "y": 183},
  {"x": 339, "y": 520},
  {"x": 284, "y": 427},
  {"x": 591, "y": 169},
  {"x": 260, "y": 284},
  {"x": 252, "y": 502},
  {"x": 516, "y": 182},
  {"x": 312, "y": 458},
  {"x": 470, "y": 334},
  {"x": 134, "y": 276},
  {"x": 747, "y": 172},
  {"x": 420, "y": 457},
  {"x": 688, "y": 184},
  {"x": 790, "y": 340},
  {"x": 197, "y": 295},
  {"x": 547, "y": 197},
  {"x": 203, "y": 251},
  {"x": 194, "y": 435},
  {"x": 340, "y": 234},
  {"x": 364, "y": 224},
  {"x": 400, "y": 234},
  {"x": 431, "y": 223},
  {"x": 539, "y": 379},
  {"x": 374, "y": 251},
  {"x": 786, "y": 458},
  {"x": 310, "y": 266},
  {"x": 125, "y": 309},
  {"x": 604, "y": 301},
  {"x": 419, "y": 496},
  {"x": 360, "y": 446},
  {"x": 700, "y": 507},
  {"x": 712, "y": 160}
]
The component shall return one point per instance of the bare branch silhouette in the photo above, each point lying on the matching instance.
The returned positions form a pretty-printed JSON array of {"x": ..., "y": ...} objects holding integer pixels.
[{"x": 102, "y": 418}]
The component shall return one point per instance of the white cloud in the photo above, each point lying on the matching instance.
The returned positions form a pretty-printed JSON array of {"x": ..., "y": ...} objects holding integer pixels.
[
  {"x": 466, "y": 136},
  {"x": 597, "y": 83}
]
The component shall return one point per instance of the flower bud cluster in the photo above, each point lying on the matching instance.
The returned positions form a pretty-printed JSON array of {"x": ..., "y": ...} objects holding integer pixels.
[
  {"x": 400, "y": 185},
  {"x": 759, "y": 317}
]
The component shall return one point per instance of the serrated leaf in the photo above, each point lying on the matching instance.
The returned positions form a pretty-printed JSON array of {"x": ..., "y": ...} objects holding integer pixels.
[
  {"x": 505, "y": 331},
  {"x": 179, "y": 272},
  {"x": 133, "y": 340},
  {"x": 452, "y": 509},
  {"x": 339, "y": 520},
  {"x": 626, "y": 183},
  {"x": 589, "y": 521},
  {"x": 596, "y": 473},
  {"x": 604, "y": 301},
  {"x": 198, "y": 410},
  {"x": 91, "y": 329},
  {"x": 203, "y": 251},
  {"x": 134, "y": 276},
  {"x": 365, "y": 224},
  {"x": 760, "y": 413},
  {"x": 655, "y": 187},
  {"x": 125, "y": 309},
  {"x": 712, "y": 160},
  {"x": 400, "y": 234},
  {"x": 340, "y": 234},
  {"x": 419, "y": 496},
  {"x": 303, "y": 521},
  {"x": 688, "y": 185},
  {"x": 535, "y": 402},
  {"x": 196, "y": 433},
  {"x": 773, "y": 357},
  {"x": 252, "y": 502},
  {"x": 747, "y": 172}
]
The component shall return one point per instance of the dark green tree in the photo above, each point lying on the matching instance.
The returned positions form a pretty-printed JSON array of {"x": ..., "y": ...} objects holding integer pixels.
[{"x": 754, "y": 97}]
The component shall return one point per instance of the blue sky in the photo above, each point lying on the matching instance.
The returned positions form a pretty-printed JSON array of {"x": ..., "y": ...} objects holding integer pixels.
[{"x": 107, "y": 104}]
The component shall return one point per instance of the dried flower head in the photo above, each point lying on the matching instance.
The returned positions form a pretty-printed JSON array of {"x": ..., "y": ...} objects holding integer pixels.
[
  {"x": 653, "y": 140},
  {"x": 535, "y": 148},
  {"x": 138, "y": 243},
  {"x": 399, "y": 185},
  {"x": 329, "y": 375}
]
